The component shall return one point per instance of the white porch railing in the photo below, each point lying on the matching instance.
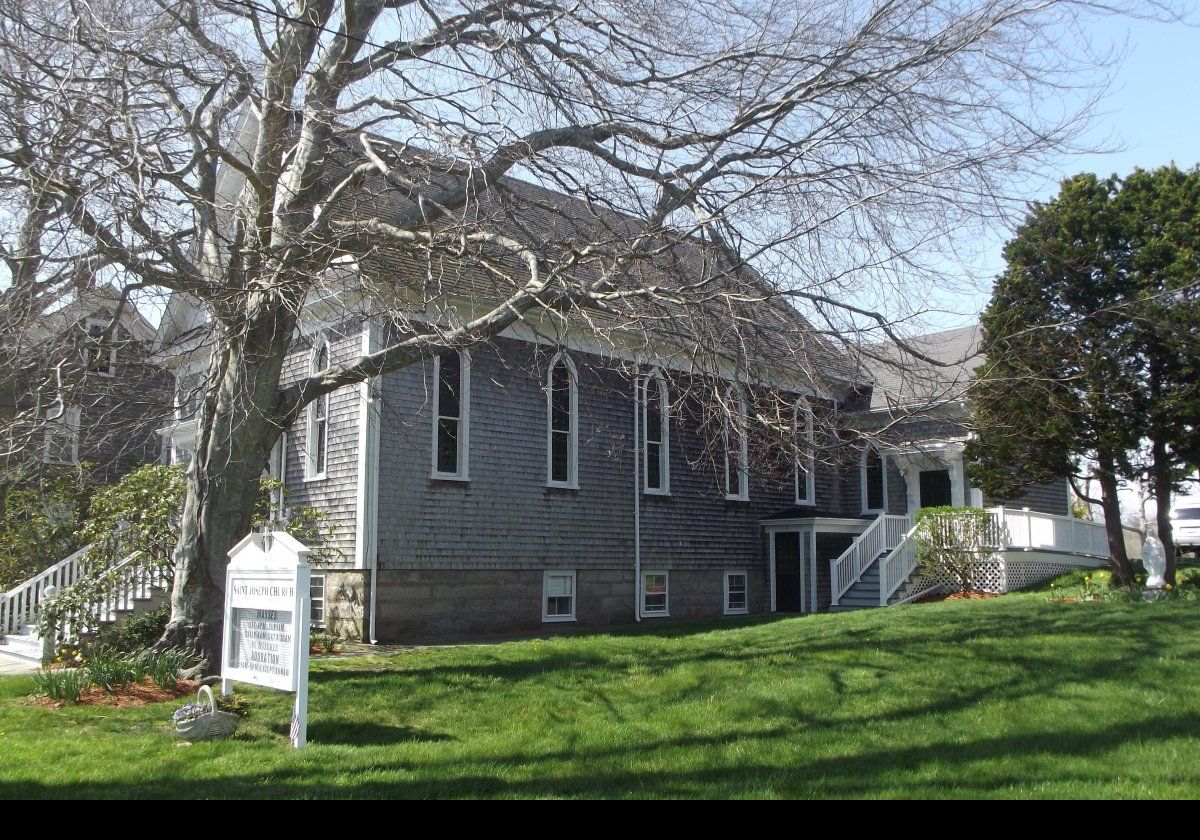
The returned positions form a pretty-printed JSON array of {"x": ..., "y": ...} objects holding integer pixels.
[
  {"x": 1025, "y": 529},
  {"x": 895, "y": 568},
  {"x": 21, "y": 605},
  {"x": 1016, "y": 530},
  {"x": 880, "y": 536}
]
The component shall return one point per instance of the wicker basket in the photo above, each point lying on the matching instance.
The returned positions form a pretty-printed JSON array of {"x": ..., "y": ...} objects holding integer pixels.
[{"x": 214, "y": 724}]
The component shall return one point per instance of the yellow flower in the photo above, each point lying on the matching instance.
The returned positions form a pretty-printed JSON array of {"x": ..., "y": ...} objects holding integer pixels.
[{"x": 1169, "y": 586}]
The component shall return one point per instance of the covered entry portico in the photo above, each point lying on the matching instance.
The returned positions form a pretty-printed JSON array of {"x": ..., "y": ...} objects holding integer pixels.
[
  {"x": 933, "y": 474},
  {"x": 799, "y": 549}
]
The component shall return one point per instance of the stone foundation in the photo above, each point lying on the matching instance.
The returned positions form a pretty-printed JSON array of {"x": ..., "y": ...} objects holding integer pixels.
[
  {"x": 442, "y": 603},
  {"x": 347, "y": 601}
]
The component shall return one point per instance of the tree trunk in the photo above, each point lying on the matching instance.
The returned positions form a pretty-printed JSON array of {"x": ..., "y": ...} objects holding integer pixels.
[
  {"x": 1122, "y": 574},
  {"x": 237, "y": 432},
  {"x": 1161, "y": 470}
]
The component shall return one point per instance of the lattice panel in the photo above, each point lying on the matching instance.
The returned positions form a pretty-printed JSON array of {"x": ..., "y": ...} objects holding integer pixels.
[
  {"x": 986, "y": 576},
  {"x": 999, "y": 577},
  {"x": 1023, "y": 573}
]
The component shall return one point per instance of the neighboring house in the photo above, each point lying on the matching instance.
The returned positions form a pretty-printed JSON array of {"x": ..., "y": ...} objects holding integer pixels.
[{"x": 77, "y": 392}]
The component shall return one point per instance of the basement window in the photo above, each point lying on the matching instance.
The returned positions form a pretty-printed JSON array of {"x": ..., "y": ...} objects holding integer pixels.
[
  {"x": 316, "y": 599},
  {"x": 654, "y": 594},
  {"x": 735, "y": 593},
  {"x": 558, "y": 596}
]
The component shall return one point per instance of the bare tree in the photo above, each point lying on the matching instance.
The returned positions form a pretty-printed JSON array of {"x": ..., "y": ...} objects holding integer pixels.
[{"x": 747, "y": 181}]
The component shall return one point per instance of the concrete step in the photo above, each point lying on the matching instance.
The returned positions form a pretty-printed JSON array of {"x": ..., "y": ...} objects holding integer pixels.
[{"x": 23, "y": 646}]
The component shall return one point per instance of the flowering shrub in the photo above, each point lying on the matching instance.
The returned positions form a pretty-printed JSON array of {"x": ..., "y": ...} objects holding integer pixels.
[
  {"x": 953, "y": 540},
  {"x": 140, "y": 515}
]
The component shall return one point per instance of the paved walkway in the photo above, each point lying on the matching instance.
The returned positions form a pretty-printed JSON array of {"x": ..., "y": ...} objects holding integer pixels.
[{"x": 10, "y": 667}]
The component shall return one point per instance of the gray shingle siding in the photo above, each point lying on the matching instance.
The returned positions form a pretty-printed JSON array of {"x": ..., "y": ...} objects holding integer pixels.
[
  {"x": 506, "y": 517},
  {"x": 336, "y": 494}
]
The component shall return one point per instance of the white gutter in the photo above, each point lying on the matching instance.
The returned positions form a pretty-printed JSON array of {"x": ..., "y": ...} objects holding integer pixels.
[{"x": 637, "y": 508}]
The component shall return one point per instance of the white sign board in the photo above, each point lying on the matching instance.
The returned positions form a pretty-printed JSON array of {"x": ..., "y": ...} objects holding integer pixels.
[{"x": 267, "y": 619}]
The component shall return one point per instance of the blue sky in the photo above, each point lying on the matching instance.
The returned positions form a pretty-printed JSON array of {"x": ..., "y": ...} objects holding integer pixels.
[{"x": 1149, "y": 118}]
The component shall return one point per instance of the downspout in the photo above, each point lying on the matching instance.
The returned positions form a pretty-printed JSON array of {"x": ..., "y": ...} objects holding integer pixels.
[
  {"x": 367, "y": 516},
  {"x": 637, "y": 508}
]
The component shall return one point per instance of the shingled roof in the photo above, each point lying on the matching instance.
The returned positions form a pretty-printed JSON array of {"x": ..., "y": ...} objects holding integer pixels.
[
  {"x": 903, "y": 381},
  {"x": 744, "y": 314}
]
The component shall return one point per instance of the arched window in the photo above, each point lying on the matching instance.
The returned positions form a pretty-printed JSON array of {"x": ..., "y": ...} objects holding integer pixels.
[
  {"x": 562, "y": 423},
  {"x": 656, "y": 449},
  {"x": 451, "y": 415},
  {"x": 737, "y": 465},
  {"x": 802, "y": 434},
  {"x": 873, "y": 477},
  {"x": 317, "y": 439}
]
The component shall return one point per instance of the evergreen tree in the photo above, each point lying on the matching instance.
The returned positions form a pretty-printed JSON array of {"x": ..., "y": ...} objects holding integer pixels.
[{"x": 1090, "y": 337}]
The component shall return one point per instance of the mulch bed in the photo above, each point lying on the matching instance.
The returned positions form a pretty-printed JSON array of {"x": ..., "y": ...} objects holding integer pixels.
[
  {"x": 141, "y": 694},
  {"x": 965, "y": 595}
]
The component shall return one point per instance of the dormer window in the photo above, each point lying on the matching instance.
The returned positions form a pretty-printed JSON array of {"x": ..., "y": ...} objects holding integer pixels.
[{"x": 101, "y": 349}]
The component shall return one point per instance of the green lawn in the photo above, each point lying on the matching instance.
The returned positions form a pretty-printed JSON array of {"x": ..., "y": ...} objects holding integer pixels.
[{"x": 1014, "y": 697}]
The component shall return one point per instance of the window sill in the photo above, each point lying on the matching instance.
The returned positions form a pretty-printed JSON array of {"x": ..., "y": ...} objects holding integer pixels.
[
  {"x": 552, "y": 485},
  {"x": 462, "y": 479},
  {"x": 737, "y": 498},
  {"x": 737, "y": 612},
  {"x": 649, "y": 492},
  {"x": 557, "y": 619},
  {"x": 666, "y": 614},
  {"x": 805, "y": 502},
  {"x": 317, "y": 477}
]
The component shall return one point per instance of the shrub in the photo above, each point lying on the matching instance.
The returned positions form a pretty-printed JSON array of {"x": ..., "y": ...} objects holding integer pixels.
[
  {"x": 135, "y": 633},
  {"x": 954, "y": 539}
]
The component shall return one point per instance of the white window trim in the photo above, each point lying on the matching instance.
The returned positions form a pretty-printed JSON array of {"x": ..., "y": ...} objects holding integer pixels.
[
  {"x": 746, "y": 609},
  {"x": 277, "y": 469},
  {"x": 862, "y": 478},
  {"x": 324, "y": 622},
  {"x": 572, "y": 482},
  {"x": 464, "y": 420},
  {"x": 546, "y": 575},
  {"x": 67, "y": 423},
  {"x": 666, "y": 611},
  {"x": 310, "y": 453},
  {"x": 809, "y": 496},
  {"x": 664, "y": 455},
  {"x": 112, "y": 350},
  {"x": 742, "y": 493}
]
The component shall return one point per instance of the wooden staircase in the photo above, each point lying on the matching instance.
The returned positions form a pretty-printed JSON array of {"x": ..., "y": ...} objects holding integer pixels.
[{"x": 98, "y": 598}]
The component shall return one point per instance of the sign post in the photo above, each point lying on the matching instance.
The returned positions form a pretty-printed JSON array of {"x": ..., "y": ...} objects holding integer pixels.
[{"x": 267, "y": 620}]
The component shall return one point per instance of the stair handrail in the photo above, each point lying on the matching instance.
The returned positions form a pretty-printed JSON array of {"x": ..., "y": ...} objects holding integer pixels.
[
  {"x": 897, "y": 565},
  {"x": 96, "y": 598},
  {"x": 847, "y": 568},
  {"x": 22, "y": 604}
]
